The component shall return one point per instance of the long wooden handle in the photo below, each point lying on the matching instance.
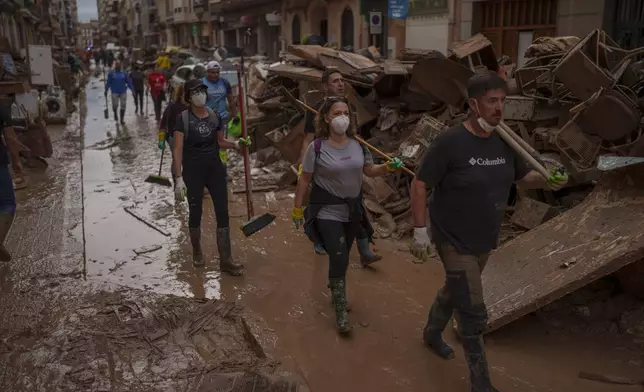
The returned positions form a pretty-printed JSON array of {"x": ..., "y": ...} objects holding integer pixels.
[
  {"x": 360, "y": 140},
  {"x": 523, "y": 153},
  {"x": 381, "y": 153}
]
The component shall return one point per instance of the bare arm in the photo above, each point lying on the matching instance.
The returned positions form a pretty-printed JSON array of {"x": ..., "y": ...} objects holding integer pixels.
[
  {"x": 177, "y": 152},
  {"x": 223, "y": 142},
  {"x": 375, "y": 170},
  {"x": 418, "y": 202},
  {"x": 308, "y": 138},
  {"x": 232, "y": 104},
  {"x": 302, "y": 188},
  {"x": 533, "y": 180}
]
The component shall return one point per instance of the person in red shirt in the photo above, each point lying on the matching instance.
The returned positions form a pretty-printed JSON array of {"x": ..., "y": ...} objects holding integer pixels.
[{"x": 156, "y": 84}]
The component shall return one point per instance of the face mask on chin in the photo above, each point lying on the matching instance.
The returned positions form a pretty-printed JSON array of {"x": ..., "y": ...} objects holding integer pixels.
[
  {"x": 199, "y": 100},
  {"x": 486, "y": 126},
  {"x": 340, "y": 124}
]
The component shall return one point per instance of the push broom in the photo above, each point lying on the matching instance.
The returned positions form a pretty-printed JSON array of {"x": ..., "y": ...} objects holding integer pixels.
[
  {"x": 158, "y": 178},
  {"x": 254, "y": 223}
]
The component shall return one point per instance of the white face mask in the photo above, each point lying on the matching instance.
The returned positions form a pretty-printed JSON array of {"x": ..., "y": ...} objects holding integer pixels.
[
  {"x": 340, "y": 124},
  {"x": 199, "y": 99},
  {"x": 487, "y": 127}
]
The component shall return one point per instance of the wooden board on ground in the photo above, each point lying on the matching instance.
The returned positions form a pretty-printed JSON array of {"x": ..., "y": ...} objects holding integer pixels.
[{"x": 594, "y": 239}]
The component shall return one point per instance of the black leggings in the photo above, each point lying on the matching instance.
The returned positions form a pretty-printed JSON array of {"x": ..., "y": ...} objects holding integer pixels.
[
  {"x": 138, "y": 99},
  {"x": 337, "y": 239},
  {"x": 212, "y": 177}
]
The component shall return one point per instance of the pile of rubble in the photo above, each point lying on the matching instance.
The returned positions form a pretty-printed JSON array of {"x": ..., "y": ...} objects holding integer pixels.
[{"x": 574, "y": 100}]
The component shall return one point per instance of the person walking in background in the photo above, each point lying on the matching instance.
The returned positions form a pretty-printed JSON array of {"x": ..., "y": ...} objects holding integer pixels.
[
  {"x": 156, "y": 83},
  {"x": 138, "y": 82},
  {"x": 118, "y": 82},
  {"x": 198, "y": 136},
  {"x": 169, "y": 123},
  {"x": 335, "y": 163},
  {"x": 220, "y": 99}
]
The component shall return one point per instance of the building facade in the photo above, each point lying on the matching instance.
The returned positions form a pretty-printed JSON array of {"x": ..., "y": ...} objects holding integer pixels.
[{"x": 88, "y": 32}]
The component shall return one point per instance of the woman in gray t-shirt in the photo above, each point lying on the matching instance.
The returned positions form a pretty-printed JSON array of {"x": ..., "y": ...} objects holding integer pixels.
[{"x": 335, "y": 162}]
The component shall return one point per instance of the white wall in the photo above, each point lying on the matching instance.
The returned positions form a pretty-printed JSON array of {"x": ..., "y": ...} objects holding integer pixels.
[{"x": 428, "y": 32}]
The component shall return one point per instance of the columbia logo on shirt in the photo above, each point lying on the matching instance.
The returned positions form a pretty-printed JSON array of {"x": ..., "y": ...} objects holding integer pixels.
[{"x": 486, "y": 162}]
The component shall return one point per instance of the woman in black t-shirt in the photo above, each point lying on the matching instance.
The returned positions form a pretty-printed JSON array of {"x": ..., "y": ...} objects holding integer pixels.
[{"x": 196, "y": 150}]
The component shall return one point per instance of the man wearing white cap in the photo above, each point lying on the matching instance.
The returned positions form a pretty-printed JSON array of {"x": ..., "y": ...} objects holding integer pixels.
[{"x": 220, "y": 98}]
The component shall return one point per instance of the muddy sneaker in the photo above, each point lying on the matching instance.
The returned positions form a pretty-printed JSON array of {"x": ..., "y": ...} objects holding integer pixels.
[
  {"x": 366, "y": 254},
  {"x": 195, "y": 240},
  {"x": 226, "y": 262},
  {"x": 339, "y": 295}
]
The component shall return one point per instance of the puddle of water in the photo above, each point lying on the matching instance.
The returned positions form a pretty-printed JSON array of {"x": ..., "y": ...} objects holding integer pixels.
[{"x": 114, "y": 178}]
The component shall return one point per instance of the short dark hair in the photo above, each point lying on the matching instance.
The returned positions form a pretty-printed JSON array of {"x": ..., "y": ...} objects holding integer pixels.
[
  {"x": 481, "y": 83},
  {"x": 326, "y": 75}
]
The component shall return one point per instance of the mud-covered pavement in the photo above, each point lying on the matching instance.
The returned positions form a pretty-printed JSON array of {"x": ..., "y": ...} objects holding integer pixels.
[{"x": 86, "y": 306}]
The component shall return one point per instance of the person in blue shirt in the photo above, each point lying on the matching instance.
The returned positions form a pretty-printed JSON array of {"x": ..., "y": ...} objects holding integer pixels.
[
  {"x": 220, "y": 99},
  {"x": 118, "y": 81}
]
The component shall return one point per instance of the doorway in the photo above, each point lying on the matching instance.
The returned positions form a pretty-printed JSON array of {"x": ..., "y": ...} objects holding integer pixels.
[{"x": 347, "y": 33}]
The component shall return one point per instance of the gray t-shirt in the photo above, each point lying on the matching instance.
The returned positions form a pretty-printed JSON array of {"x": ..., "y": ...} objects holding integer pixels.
[
  {"x": 339, "y": 172},
  {"x": 470, "y": 178}
]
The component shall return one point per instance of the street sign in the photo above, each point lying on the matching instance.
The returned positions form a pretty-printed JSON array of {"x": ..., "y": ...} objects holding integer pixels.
[
  {"x": 375, "y": 22},
  {"x": 195, "y": 28},
  {"x": 398, "y": 9}
]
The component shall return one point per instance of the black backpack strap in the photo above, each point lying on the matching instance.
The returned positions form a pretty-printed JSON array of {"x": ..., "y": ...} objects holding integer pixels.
[{"x": 185, "y": 118}]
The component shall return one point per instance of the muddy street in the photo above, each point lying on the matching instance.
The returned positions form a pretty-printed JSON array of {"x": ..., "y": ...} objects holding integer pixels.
[{"x": 96, "y": 299}]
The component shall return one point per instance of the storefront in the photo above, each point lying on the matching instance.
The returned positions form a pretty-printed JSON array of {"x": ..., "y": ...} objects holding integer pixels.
[{"x": 512, "y": 25}]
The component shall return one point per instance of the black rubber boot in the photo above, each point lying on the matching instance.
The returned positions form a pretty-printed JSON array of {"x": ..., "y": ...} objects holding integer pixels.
[
  {"x": 477, "y": 364},
  {"x": 366, "y": 255},
  {"x": 122, "y": 116},
  {"x": 439, "y": 316},
  {"x": 116, "y": 117},
  {"x": 195, "y": 240},
  {"x": 5, "y": 225},
  {"x": 226, "y": 262},
  {"x": 339, "y": 294}
]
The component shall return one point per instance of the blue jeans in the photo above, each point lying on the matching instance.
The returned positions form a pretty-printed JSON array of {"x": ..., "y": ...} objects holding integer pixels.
[{"x": 7, "y": 195}]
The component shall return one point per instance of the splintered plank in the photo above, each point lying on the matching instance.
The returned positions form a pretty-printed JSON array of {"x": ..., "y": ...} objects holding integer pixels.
[{"x": 594, "y": 239}]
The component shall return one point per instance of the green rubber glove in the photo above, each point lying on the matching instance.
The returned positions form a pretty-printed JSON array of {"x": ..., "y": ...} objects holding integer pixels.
[
  {"x": 558, "y": 179},
  {"x": 394, "y": 165},
  {"x": 246, "y": 142}
]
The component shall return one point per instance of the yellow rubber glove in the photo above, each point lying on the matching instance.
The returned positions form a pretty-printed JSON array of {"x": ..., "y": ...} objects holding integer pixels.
[
  {"x": 161, "y": 140},
  {"x": 223, "y": 155},
  {"x": 299, "y": 171},
  {"x": 298, "y": 217}
]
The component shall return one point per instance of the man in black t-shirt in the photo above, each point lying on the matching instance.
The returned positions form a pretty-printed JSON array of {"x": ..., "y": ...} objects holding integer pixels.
[
  {"x": 7, "y": 195},
  {"x": 469, "y": 170}
]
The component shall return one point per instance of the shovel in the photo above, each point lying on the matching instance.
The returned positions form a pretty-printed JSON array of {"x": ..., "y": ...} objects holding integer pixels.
[
  {"x": 254, "y": 223},
  {"x": 106, "y": 112},
  {"x": 608, "y": 163}
]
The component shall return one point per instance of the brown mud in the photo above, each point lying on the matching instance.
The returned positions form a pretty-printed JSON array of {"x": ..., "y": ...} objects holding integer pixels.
[{"x": 95, "y": 300}]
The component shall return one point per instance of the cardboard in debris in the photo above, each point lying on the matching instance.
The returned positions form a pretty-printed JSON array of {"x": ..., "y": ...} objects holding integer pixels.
[
  {"x": 530, "y": 213},
  {"x": 296, "y": 72},
  {"x": 593, "y": 239},
  {"x": 443, "y": 79},
  {"x": 475, "y": 52}
]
